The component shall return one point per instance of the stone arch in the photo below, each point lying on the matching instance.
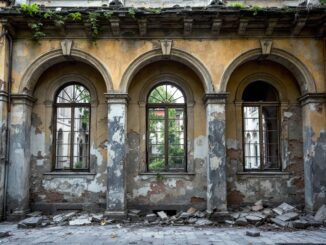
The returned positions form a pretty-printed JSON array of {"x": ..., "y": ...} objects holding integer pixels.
[
  {"x": 45, "y": 61},
  {"x": 293, "y": 64},
  {"x": 176, "y": 55}
]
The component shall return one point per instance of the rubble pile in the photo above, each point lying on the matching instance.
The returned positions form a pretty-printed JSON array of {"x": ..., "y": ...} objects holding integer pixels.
[{"x": 282, "y": 216}]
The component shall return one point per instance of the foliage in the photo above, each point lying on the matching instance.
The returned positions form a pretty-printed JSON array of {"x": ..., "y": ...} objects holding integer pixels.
[
  {"x": 30, "y": 9},
  {"x": 255, "y": 9},
  {"x": 37, "y": 30},
  {"x": 160, "y": 177},
  {"x": 108, "y": 14},
  {"x": 132, "y": 12},
  {"x": 93, "y": 18},
  {"x": 155, "y": 10},
  {"x": 76, "y": 16},
  {"x": 237, "y": 5},
  {"x": 322, "y": 2},
  {"x": 58, "y": 19}
]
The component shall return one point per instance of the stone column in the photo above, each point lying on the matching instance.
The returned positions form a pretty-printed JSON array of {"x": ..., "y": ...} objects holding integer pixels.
[
  {"x": 19, "y": 156},
  {"x": 314, "y": 147},
  {"x": 216, "y": 158},
  {"x": 117, "y": 129},
  {"x": 3, "y": 148}
]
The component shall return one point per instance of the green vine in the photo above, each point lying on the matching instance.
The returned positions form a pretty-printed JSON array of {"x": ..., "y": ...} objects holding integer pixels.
[
  {"x": 237, "y": 5},
  {"x": 132, "y": 12},
  {"x": 108, "y": 14},
  {"x": 37, "y": 27},
  {"x": 255, "y": 9},
  {"x": 58, "y": 19},
  {"x": 322, "y": 2},
  {"x": 93, "y": 19},
  {"x": 155, "y": 10},
  {"x": 75, "y": 16},
  {"x": 30, "y": 10}
]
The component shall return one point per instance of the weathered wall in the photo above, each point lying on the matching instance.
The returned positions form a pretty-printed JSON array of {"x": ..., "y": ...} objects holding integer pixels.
[
  {"x": 84, "y": 190},
  {"x": 166, "y": 191},
  {"x": 288, "y": 184},
  {"x": 214, "y": 54}
]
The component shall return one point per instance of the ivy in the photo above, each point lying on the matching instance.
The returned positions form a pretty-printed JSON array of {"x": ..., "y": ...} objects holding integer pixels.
[
  {"x": 108, "y": 14},
  {"x": 155, "y": 10},
  {"x": 322, "y": 2},
  {"x": 132, "y": 12},
  {"x": 37, "y": 30},
  {"x": 30, "y": 9},
  {"x": 255, "y": 9},
  {"x": 58, "y": 19},
  {"x": 75, "y": 16},
  {"x": 93, "y": 19},
  {"x": 237, "y": 5}
]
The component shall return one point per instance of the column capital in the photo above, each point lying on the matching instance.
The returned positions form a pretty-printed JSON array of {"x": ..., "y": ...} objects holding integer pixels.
[
  {"x": 215, "y": 98},
  {"x": 116, "y": 98},
  {"x": 312, "y": 98},
  {"x": 3, "y": 96},
  {"x": 23, "y": 99}
]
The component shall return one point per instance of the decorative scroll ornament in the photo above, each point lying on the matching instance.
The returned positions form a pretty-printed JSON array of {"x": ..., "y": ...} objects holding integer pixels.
[
  {"x": 166, "y": 46},
  {"x": 266, "y": 46}
]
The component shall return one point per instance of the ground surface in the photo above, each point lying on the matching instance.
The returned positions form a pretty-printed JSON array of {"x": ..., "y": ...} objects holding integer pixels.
[{"x": 115, "y": 234}]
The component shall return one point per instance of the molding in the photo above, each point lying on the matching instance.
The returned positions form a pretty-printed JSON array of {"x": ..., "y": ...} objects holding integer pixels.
[
  {"x": 117, "y": 98},
  {"x": 23, "y": 99},
  {"x": 312, "y": 98},
  {"x": 215, "y": 98},
  {"x": 176, "y": 55},
  {"x": 3, "y": 96}
]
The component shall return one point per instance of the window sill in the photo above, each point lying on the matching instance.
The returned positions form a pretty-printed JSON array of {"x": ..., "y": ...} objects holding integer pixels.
[
  {"x": 62, "y": 174},
  {"x": 272, "y": 174},
  {"x": 151, "y": 175}
]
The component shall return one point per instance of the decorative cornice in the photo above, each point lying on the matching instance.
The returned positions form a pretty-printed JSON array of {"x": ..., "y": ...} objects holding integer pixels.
[
  {"x": 215, "y": 98},
  {"x": 23, "y": 99},
  {"x": 3, "y": 96},
  {"x": 312, "y": 98},
  {"x": 117, "y": 98}
]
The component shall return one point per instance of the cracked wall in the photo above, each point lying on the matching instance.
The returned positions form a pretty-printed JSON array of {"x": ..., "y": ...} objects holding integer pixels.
[
  {"x": 175, "y": 190},
  {"x": 278, "y": 186},
  {"x": 57, "y": 190}
]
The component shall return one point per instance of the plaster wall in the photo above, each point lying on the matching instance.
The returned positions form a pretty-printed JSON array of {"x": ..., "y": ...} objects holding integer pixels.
[
  {"x": 216, "y": 55},
  {"x": 176, "y": 191},
  {"x": 288, "y": 183},
  {"x": 86, "y": 190}
]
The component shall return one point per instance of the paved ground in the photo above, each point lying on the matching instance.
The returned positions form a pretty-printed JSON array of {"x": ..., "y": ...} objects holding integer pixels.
[{"x": 113, "y": 234}]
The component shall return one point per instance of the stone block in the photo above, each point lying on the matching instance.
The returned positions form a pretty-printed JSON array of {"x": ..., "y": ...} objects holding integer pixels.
[
  {"x": 253, "y": 233},
  {"x": 162, "y": 215},
  {"x": 321, "y": 213},
  {"x": 30, "y": 222},
  {"x": 288, "y": 216},
  {"x": 151, "y": 217}
]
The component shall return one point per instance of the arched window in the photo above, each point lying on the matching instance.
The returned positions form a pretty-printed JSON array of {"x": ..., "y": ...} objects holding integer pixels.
[
  {"x": 166, "y": 129},
  {"x": 261, "y": 134},
  {"x": 72, "y": 128}
]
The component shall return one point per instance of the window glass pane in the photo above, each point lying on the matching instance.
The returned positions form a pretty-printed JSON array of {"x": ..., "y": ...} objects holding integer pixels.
[
  {"x": 81, "y": 122},
  {"x": 176, "y": 162},
  {"x": 156, "y": 164},
  {"x": 74, "y": 94},
  {"x": 80, "y": 162},
  {"x": 62, "y": 162},
  {"x": 166, "y": 93}
]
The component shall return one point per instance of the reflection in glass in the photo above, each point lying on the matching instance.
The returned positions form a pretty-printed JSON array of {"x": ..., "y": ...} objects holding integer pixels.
[
  {"x": 166, "y": 129},
  {"x": 72, "y": 127},
  {"x": 260, "y": 137}
]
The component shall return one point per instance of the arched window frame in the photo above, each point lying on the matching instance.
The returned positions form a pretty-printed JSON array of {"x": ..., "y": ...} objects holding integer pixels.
[
  {"x": 166, "y": 107},
  {"x": 72, "y": 106},
  {"x": 261, "y": 145}
]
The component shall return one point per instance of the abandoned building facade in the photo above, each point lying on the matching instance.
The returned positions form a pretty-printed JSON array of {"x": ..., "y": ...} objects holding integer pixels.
[{"x": 161, "y": 105}]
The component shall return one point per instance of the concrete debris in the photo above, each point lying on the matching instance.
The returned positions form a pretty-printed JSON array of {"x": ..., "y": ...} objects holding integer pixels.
[
  {"x": 162, "y": 215},
  {"x": 241, "y": 221},
  {"x": 81, "y": 221},
  {"x": 279, "y": 222},
  {"x": 321, "y": 213},
  {"x": 284, "y": 208},
  {"x": 288, "y": 216},
  {"x": 300, "y": 224},
  {"x": 253, "y": 233},
  {"x": 151, "y": 217},
  {"x": 203, "y": 222},
  {"x": 282, "y": 216},
  {"x": 191, "y": 211},
  {"x": 97, "y": 217},
  {"x": 31, "y": 222}
]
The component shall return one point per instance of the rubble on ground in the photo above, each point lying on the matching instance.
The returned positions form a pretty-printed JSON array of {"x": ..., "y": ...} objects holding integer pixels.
[{"x": 284, "y": 216}]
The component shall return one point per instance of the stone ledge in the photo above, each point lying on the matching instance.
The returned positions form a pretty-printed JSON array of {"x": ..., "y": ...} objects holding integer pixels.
[
  {"x": 52, "y": 175},
  {"x": 264, "y": 174}
]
